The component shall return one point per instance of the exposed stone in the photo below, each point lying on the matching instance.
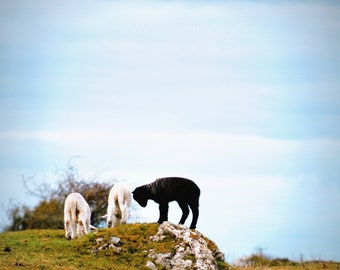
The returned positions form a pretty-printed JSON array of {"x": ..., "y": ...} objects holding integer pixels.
[
  {"x": 113, "y": 244},
  {"x": 218, "y": 254},
  {"x": 115, "y": 248},
  {"x": 99, "y": 240},
  {"x": 163, "y": 259},
  {"x": 156, "y": 238},
  {"x": 105, "y": 246},
  {"x": 151, "y": 265},
  {"x": 178, "y": 260},
  {"x": 116, "y": 241},
  {"x": 192, "y": 245},
  {"x": 191, "y": 251}
]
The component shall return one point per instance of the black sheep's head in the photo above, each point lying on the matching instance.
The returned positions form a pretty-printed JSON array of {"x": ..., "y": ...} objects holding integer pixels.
[{"x": 140, "y": 195}]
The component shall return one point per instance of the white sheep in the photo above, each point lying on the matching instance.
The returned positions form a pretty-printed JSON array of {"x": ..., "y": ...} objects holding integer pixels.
[
  {"x": 77, "y": 216},
  {"x": 118, "y": 204}
]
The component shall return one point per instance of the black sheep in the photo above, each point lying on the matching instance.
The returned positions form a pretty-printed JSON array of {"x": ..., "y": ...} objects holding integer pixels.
[{"x": 165, "y": 190}]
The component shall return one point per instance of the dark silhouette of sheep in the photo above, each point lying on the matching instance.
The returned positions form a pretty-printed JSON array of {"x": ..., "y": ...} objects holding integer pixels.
[{"x": 165, "y": 190}]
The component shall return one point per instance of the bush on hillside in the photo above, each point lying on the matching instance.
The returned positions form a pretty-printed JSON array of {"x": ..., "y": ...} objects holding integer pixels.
[
  {"x": 49, "y": 213},
  {"x": 260, "y": 259}
]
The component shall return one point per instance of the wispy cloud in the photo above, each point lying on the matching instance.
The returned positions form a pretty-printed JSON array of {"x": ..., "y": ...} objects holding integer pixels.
[
  {"x": 239, "y": 95},
  {"x": 207, "y": 153}
]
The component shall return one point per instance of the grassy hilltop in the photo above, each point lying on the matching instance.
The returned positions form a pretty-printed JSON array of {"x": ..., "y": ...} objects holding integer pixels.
[{"x": 49, "y": 249}]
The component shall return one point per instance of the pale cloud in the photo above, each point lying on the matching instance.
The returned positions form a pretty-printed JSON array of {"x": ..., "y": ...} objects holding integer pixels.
[
  {"x": 242, "y": 96},
  {"x": 207, "y": 153}
]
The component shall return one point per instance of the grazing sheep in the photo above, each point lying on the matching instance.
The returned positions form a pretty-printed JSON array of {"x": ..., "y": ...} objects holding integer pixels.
[
  {"x": 118, "y": 204},
  {"x": 77, "y": 216},
  {"x": 165, "y": 190}
]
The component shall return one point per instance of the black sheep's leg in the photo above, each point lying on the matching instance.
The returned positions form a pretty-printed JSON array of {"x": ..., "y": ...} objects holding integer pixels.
[
  {"x": 195, "y": 212},
  {"x": 163, "y": 212},
  {"x": 185, "y": 212}
]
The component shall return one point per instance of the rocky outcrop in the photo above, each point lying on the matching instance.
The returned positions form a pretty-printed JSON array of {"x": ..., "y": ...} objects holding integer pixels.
[
  {"x": 183, "y": 248},
  {"x": 191, "y": 253},
  {"x": 113, "y": 244}
]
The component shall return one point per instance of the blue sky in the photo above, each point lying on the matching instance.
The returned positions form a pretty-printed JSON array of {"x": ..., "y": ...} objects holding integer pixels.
[{"x": 241, "y": 96}]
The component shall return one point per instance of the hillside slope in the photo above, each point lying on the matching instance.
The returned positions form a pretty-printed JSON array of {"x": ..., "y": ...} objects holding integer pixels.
[{"x": 129, "y": 246}]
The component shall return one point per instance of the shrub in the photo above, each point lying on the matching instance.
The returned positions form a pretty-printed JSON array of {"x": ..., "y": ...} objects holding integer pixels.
[{"x": 49, "y": 212}]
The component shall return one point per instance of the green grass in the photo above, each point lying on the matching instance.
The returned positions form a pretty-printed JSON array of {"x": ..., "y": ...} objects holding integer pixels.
[
  {"x": 49, "y": 249},
  {"x": 315, "y": 265},
  {"x": 261, "y": 262}
]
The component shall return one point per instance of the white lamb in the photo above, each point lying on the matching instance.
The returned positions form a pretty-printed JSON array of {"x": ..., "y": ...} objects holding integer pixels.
[
  {"x": 118, "y": 204},
  {"x": 77, "y": 216}
]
